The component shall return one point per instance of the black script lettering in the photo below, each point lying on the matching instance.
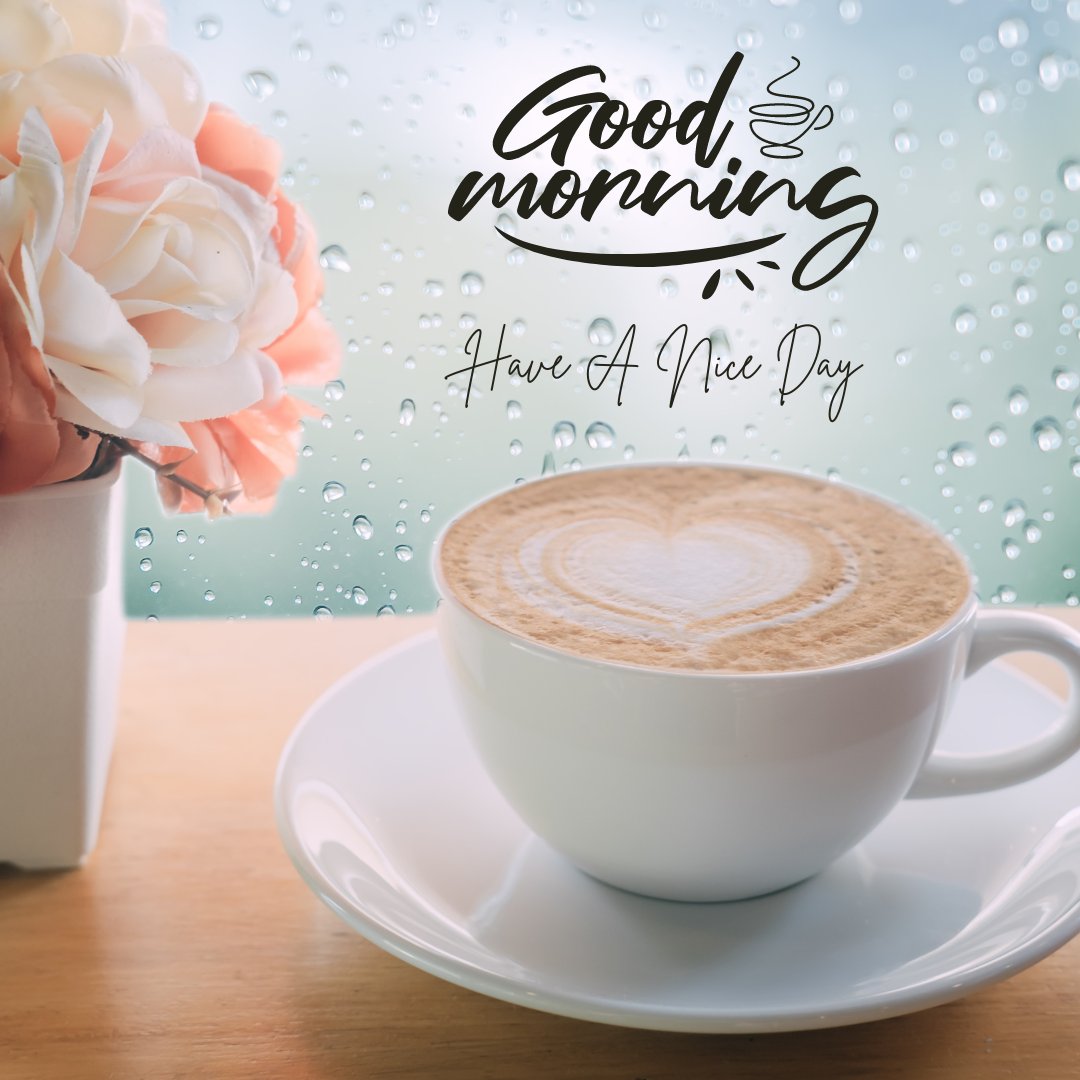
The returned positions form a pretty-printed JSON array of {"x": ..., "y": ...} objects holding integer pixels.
[
  {"x": 472, "y": 349},
  {"x": 815, "y": 365},
  {"x": 682, "y": 361},
  {"x": 602, "y": 365}
]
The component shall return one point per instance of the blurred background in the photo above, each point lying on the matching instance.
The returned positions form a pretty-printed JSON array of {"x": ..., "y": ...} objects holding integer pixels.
[{"x": 963, "y": 309}]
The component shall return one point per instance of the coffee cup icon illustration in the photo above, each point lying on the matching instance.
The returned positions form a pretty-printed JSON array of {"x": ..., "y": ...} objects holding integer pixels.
[{"x": 779, "y": 125}]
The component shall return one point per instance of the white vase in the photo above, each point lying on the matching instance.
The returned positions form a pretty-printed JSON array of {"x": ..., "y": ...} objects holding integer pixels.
[{"x": 61, "y": 639}]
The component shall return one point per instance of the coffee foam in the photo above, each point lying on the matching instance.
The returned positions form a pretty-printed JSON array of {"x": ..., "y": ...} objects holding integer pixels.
[{"x": 702, "y": 568}]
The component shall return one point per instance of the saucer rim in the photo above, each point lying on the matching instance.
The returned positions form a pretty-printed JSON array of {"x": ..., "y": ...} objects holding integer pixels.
[{"x": 620, "y": 1012}]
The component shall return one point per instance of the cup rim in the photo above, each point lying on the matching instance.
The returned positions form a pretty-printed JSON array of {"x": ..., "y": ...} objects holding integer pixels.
[{"x": 964, "y": 611}]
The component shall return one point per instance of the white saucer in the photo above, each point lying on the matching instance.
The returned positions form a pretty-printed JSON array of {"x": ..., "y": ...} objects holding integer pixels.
[{"x": 388, "y": 817}]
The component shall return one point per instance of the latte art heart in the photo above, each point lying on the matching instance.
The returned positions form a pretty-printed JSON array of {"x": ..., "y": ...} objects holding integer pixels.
[
  {"x": 702, "y": 568},
  {"x": 612, "y": 574}
]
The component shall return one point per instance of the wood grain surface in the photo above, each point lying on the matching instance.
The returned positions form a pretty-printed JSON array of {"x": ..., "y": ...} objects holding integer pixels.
[{"x": 189, "y": 947}]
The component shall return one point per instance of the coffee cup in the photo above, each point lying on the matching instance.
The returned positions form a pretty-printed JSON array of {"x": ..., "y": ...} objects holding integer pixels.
[{"x": 707, "y": 683}]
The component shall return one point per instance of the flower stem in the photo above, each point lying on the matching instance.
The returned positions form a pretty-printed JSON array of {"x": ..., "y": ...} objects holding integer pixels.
[{"x": 217, "y": 502}]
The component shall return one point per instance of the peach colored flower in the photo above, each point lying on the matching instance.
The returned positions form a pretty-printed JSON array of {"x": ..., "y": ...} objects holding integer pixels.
[
  {"x": 35, "y": 447},
  {"x": 252, "y": 451}
]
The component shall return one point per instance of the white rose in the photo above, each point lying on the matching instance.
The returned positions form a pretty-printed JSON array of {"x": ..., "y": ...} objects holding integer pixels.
[
  {"x": 149, "y": 286},
  {"x": 33, "y": 32}
]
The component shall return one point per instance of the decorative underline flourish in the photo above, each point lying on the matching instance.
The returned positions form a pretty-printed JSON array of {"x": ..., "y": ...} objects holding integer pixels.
[{"x": 660, "y": 258}]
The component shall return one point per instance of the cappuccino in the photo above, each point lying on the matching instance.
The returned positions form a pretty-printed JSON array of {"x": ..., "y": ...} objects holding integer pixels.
[{"x": 702, "y": 568}]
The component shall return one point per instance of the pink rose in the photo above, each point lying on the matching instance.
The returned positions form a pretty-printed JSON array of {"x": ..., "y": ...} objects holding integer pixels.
[{"x": 250, "y": 452}]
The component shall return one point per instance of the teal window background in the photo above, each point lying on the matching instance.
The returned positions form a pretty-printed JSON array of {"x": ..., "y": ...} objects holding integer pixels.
[{"x": 964, "y": 308}]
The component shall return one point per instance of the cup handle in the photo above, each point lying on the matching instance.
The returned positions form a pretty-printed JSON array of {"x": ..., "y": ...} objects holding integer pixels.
[{"x": 998, "y": 633}]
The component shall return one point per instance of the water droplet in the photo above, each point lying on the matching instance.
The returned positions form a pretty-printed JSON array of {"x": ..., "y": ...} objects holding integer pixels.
[
  {"x": 653, "y": 19},
  {"x": 580, "y": 9},
  {"x": 669, "y": 287},
  {"x": 563, "y": 434},
  {"x": 1018, "y": 401},
  {"x": 365, "y": 200},
  {"x": 334, "y": 390},
  {"x": 1013, "y": 512},
  {"x": 334, "y": 257},
  {"x": 1010, "y": 548},
  {"x": 1057, "y": 240},
  {"x": 433, "y": 288},
  {"x": 903, "y": 357},
  {"x": 260, "y": 84},
  {"x": 718, "y": 444},
  {"x": 516, "y": 447},
  {"x": 1070, "y": 175},
  {"x": 964, "y": 320},
  {"x": 208, "y": 27},
  {"x": 548, "y": 465},
  {"x": 1025, "y": 292},
  {"x": 996, "y": 436},
  {"x": 1068, "y": 572},
  {"x": 513, "y": 410},
  {"x": 960, "y": 410},
  {"x": 386, "y": 609},
  {"x": 155, "y": 587},
  {"x": 1051, "y": 72},
  {"x": 209, "y": 596},
  {"x": 962, "y": 455},
  {"x": 1012, "y": 33},
  {"x": 1074, "y": 465},
  {"x": 301, "y": 51},
  {"x": 1005, "y": 594},
  {"x": 1032, "y": 532},
  {"x": 599, "y": 436},
  {"x": 145, "y": 565},
  {"x": 336, "y": 75},
  {"x": 601, "y": 332},
  {"x": 1064, "y": 379},
  {"x": 363, "y": 527},
  {"x": 332, "y": 491},
  {"x": 904, "y": 141},
  {"x": 986, "y": 504},
  {"x": 268, "y": 601},
  {"x": 403, "y": 552},
  {"x": 472, "y": 284},
  {"x": 407, "y": 413},
  {"x": 684, "y": 453},
  {"x": 143, "y": 538},
  {"x": 850, "y": 11},
  {"x": 1046, "y": 434},
  {"x": 990, "y": 101}
]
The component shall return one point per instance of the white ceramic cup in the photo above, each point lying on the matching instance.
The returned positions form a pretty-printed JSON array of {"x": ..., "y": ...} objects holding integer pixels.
[{"x": 715, "y": 786}]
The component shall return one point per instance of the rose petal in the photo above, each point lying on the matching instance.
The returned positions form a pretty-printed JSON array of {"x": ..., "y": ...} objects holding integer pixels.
[
  {"x": 309, "y": 353},
  {"x": 179, "y": 339},
  {"x": 273, "y": 310},
  {"x": 29, "y": 437},
  {"x": 31, "y": 32},
  {"x": 228, "y": 145},
  {"x": 84, "y": 326},
  {"x": 177, "y": 84},
  {"x": 144, "y": 429},
  {"x": 159, "y": 157},
  {"x": 188, "y": 394},
  {"x": 95, "y": 26}
]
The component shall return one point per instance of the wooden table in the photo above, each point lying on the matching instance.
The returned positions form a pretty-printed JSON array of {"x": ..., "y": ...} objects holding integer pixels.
[{"x": 188, "y": 946}]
